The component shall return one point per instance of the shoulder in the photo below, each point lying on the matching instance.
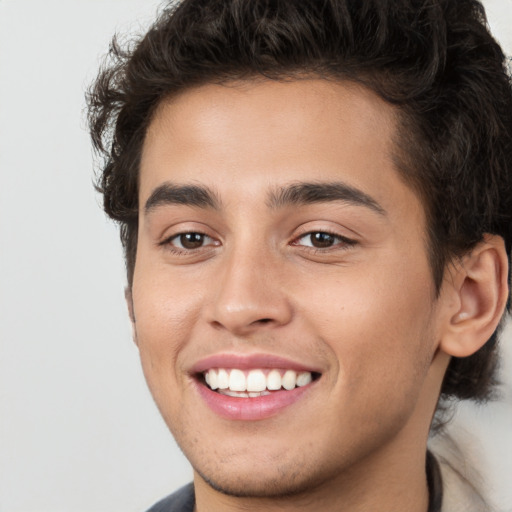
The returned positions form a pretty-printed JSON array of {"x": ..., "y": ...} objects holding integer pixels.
[
  {"x": 180, "y": 501},
  {"x": 464, "y": 487}
]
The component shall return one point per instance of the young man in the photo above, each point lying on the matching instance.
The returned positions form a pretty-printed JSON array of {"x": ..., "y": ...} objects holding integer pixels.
[{"x": 315, "y": 204}]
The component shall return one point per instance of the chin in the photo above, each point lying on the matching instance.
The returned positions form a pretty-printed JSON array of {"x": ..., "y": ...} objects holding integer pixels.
[
  {"x": 259, "y": 486},
  {"x": 273, "y": 477}
]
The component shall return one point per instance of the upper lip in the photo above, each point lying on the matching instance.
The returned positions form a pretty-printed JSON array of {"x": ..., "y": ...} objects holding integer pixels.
[{"x": 248, "y": 362}]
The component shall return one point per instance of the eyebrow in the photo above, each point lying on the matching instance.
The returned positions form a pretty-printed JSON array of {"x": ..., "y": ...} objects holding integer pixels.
[
  {"x": 189, "y": 195},
  {"x": 309, "y": 193},
  {"x": 295, "y": 194}
]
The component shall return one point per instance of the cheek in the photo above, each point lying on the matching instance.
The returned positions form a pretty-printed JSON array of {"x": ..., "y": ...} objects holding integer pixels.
[
  {"x": 377, "y": 323},
  {"x": 163, "y": 324},
  {"x": 166, "y": 312}
]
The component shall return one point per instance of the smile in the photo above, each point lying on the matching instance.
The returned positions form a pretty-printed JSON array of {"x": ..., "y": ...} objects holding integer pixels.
[
  {"x": 252, "y": 387},
  {"x": 256, "y": 382}
]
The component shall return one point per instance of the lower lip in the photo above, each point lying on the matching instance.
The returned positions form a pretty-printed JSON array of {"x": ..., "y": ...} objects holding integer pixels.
[{"x": 250, "y": 409}]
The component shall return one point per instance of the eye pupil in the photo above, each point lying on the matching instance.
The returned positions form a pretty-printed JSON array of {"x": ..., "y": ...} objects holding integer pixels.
[
  {"x": 322, "y": 240},
  {"x": 191, "y": 240}
]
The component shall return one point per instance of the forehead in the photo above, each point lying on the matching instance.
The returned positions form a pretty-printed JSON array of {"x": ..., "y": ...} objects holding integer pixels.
[
  {"x": 332, "y": 108},
  {"x": 265, "y": 133}
]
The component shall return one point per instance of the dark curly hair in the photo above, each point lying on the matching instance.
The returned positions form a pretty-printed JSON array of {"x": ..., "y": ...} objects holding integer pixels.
[{"x": 435, "y": 60}]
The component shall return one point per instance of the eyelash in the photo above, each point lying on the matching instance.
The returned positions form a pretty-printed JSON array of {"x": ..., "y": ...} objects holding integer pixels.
[
  {"x": 167, "y": 243},
  {"x": 340, "y": 242}
]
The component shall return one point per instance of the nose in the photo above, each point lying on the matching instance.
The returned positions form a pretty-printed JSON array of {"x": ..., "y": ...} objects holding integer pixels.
[{"x": 250, "y": 294}]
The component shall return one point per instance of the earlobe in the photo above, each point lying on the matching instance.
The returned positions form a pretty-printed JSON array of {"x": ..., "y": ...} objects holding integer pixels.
[
  {"x": 480, "y": 284},
  {"x": 129, "y": 303}
]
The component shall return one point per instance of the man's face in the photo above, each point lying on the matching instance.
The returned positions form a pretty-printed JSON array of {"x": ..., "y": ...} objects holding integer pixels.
[{"x": 276, "y": 237}]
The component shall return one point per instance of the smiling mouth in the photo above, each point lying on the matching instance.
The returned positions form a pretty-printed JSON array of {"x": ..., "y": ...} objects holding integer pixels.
[{"x": 255, "y": 383}]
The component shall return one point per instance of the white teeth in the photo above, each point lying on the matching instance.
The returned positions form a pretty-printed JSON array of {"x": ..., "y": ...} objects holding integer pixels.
[
  {"x": 254, "y": 395},
  {"x": 242, "y": 394},
  {"x": 254, "y": 382},
  {"x": 222, "y": 379},
  {"x": 213, "y": 380},
  {"x": 237, "y": 381},
  {"x": 303, "y": 379},
  {"x": 289, "y": 379},
  {"x": 274, "y": 380},
  {"x": 237, "y": 394}
]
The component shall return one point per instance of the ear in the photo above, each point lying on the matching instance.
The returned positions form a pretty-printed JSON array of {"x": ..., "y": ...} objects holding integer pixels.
[
  {"x": 478, "y": 290},
  {"x": 129, "y": 303}
]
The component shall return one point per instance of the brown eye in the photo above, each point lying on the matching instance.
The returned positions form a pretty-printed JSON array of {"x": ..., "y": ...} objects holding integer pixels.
[
  {"x": 190, "y": 241},
  {"x": 322, "y": 240}
]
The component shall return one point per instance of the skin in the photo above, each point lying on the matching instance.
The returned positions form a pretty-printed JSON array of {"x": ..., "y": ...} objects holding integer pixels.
[{"x": 362, "y": 312}]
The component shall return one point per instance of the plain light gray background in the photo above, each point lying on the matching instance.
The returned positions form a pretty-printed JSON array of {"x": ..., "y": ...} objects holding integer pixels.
[{"x": 78, "y": 429}]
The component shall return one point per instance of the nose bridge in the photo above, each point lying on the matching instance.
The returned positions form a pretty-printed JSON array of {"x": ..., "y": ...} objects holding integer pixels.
[{"x": 250, "y": 294}]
